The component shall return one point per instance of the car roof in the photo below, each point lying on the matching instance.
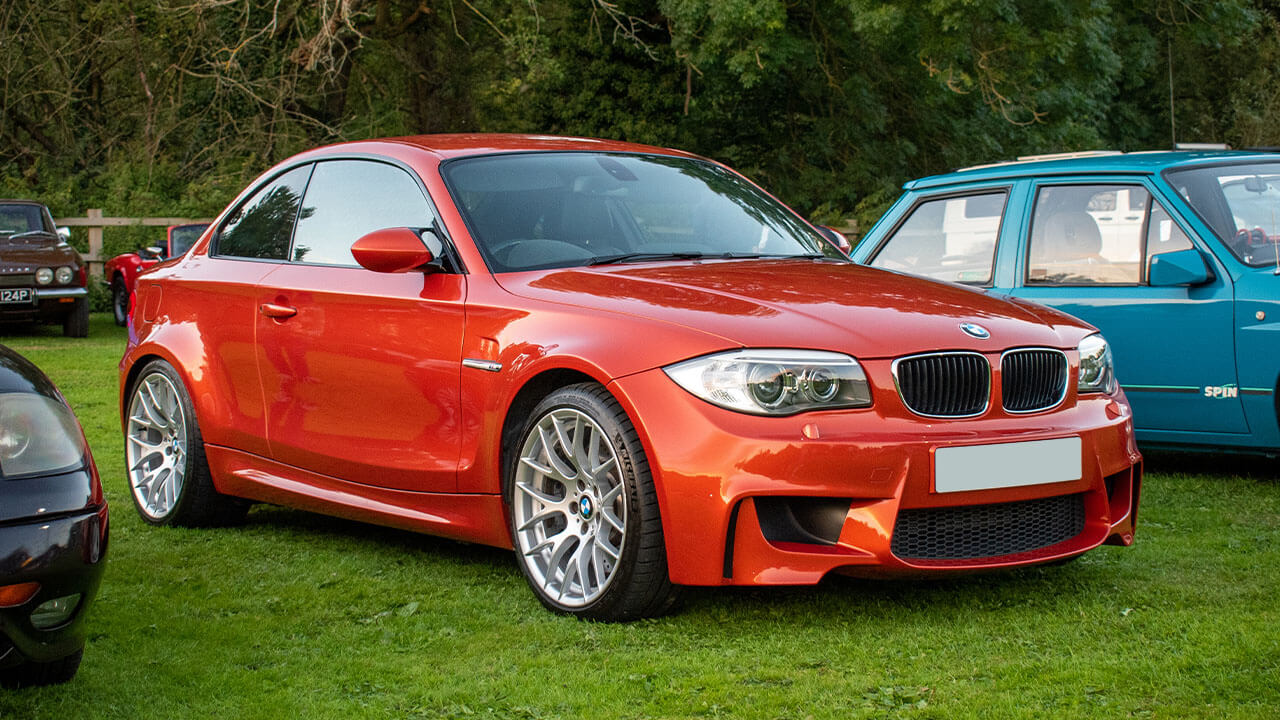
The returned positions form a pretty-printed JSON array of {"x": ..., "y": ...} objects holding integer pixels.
[
  {"x": 21, "y": 202},
  {"x": 1100, "y": 163},
  {"x": 469, "y": 144}
]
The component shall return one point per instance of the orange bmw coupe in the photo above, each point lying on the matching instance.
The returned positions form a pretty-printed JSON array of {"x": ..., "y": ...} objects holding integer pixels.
[{"x": 628, "y": 363}]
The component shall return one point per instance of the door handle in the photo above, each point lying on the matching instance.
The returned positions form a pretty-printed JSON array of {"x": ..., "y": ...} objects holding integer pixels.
[{"x": 278, "y": 312}]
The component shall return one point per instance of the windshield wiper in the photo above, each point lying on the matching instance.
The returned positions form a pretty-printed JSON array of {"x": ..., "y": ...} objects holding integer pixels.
[
  {"x": 640, "y": 256},
  {"x": 696, "y": 255}
]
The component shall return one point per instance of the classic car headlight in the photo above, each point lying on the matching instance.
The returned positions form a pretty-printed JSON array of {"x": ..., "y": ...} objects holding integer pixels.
[
  {"x": 774, "y": 382},
  {"x": 38, "y": 436},
  {"x": 44, "y": 276},
  {"x": 63, "y": 275},
  {"x": 1097, "y": 374}
]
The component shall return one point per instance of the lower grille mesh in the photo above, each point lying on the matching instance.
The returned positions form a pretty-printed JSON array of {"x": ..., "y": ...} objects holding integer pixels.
[{"x": 981, "y": 531}]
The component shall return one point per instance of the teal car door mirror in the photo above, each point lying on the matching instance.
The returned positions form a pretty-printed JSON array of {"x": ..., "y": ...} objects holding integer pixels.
[{"x": 1181, "y": 267}]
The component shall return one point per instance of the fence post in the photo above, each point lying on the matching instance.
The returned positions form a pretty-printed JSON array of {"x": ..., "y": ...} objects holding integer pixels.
[{"x": 95, "y": 233}]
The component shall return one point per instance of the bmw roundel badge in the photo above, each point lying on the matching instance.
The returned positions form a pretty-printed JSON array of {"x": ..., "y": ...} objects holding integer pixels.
[{"x": 975, "y": 330}]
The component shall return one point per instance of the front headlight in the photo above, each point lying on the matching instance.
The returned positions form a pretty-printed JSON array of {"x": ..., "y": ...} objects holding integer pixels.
[
  {"x": 44, "y": 276},
  {"x": 1097, "y": 374},
  {"x": 38, "y": 436},
  {"x": 63, "y": 275},
  {"x": 774, "y": 382}
]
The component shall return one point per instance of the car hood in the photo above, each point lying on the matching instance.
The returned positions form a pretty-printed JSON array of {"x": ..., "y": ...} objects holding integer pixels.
[
  {"x": 825, "y": 305},
  {"x": 36, "y": 251}
]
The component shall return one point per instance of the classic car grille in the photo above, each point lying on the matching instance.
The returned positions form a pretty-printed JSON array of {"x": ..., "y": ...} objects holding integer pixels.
[
  {"x": 982, "y": 531},
  {"x": 1032, "y": 380},
  {"x": 944, "y": 384},
  {"x": 12, "y": 280}
]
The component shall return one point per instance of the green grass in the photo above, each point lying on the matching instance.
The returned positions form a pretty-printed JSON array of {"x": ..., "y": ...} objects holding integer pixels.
[{"x": 299, "y": 615}]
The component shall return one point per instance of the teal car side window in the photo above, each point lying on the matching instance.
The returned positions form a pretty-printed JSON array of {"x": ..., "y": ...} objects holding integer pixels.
[
  {"x": 951, "y": 238},
  {"x": 1098, "y": 235}
]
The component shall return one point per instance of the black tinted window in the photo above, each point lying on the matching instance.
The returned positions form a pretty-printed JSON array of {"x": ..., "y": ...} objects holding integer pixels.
[
  {"x": 263, "y": 225},
  {"x": 347, "y": 199}
]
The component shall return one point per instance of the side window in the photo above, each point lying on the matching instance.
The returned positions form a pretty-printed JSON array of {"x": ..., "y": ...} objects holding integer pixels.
[
  {"x": 262, "y": 225},
  {"x": 351, "y": 198},
  {"x": 1088, "y": 235},
  {"x": 1164, "y": 235},
  {"x": 947, "y": 239}
]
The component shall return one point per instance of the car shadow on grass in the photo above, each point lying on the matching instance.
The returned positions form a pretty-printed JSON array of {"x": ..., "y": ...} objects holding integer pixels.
[
  {"x": 1048, "y": 588},
  {"x": 326, "y": 529},
  {"x": 1253, "y": 467}
]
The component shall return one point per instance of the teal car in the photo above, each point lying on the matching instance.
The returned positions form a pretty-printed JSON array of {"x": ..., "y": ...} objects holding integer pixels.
[{"x": 1174, "y": 256}]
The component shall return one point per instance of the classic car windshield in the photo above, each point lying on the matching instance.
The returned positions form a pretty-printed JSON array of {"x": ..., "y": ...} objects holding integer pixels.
[
  {"x": 184, "y": 237},
  {"x": 1242, "y": 205},
  {"x": 568, "y": 209},
  {"x": 15, "y": 219}
]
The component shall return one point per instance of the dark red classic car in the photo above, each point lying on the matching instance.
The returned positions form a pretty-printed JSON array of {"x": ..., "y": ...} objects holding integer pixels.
[
  {"x": 122, "y": 270},
  {"x": 42, "y": 278}
]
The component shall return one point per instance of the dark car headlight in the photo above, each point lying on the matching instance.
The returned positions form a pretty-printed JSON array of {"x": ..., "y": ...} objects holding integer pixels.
[
  {"x": 44, "y": 276},
  {"x": 38, "y": 436},
  {"x": 774, "y": 382},
  {"x": 1097, "y": 372},
  {"x": 63, "y": 275}
]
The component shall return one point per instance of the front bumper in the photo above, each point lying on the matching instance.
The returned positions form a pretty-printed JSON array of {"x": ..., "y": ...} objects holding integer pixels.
[
  {"x": 65, "y": 555},
  {"x": 749, "y": 500},
  {"x": 52, "y": 304}
]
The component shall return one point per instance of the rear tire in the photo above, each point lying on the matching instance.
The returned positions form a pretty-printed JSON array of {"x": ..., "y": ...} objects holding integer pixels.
[
  {"x": 120, "y": 301},
  {"x": 32, "y": 674},
  {"x": 76, "y": 322},
  {"x": 168, "y": 473},
  {"x": 583, "y": 510}
]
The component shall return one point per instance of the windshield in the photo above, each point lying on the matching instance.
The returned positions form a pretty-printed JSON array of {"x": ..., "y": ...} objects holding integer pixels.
[
  {"x": 15, "y": 219},
  {"x": 183, "y": 237},
  {"x": 570, "y": 209},
  {"x": 1242, "y": 205}
]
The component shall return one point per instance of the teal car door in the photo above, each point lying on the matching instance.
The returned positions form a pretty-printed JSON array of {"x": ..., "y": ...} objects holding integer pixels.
[{"x": 1087, "y": 248}]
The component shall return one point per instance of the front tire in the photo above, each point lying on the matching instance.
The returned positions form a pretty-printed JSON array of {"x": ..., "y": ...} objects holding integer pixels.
[
  {"x": 76, "y": 322},
  {"x": 164, "y": 452},
  {"x": 583, "y": 510},
  {"x": 119, "y": 301}
]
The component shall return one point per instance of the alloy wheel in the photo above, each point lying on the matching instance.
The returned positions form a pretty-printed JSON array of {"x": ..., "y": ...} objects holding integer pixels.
[{"x": 569, "y": 507}]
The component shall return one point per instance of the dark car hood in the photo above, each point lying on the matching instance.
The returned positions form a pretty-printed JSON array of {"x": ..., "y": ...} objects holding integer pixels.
[
  {"x": 36, "y": 250},
  {"x": 802, "y": 303}
]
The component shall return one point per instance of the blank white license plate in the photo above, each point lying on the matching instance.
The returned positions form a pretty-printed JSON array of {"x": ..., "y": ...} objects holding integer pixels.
[
  {"x": 986, "y": 467},
  {"x": 16, "y": 295}
]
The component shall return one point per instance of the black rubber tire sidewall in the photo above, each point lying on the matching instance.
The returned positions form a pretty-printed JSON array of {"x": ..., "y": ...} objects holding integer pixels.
[{"x": 119, "y": 302}]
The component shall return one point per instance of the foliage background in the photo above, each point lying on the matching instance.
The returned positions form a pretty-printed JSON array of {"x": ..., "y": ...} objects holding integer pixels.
[{"x": 169, "y": 107}]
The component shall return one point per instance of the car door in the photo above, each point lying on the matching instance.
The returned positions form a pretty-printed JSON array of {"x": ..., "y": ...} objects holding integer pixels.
[
  {"x": 218, "y": 291},
  {"x": 1087, "y": 247},
  {"x": 360, "y": 370}
]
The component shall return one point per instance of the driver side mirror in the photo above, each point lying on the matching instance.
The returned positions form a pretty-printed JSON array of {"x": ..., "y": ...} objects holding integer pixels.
[
  {"x": 64, "y": 233},
  {"x": 1180, "y": 267},
  {"x": 394, "y": 250},
  {"x": 836, "y": 237},
  {"x": 151, "y": 251}
]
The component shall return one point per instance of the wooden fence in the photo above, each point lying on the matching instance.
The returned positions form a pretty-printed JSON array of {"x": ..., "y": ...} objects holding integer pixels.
[{"x": 95, "y": 221}]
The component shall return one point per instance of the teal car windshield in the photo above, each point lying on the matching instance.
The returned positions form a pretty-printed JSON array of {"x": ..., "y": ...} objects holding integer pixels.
[
  {"x": 1241, "y": 203},
  {"x": 573, "y": 209}
]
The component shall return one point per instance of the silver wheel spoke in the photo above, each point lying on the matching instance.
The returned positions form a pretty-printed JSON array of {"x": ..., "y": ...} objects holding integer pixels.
[
  {"x": 156, "y": 448},
  {"x": 568, "y": 507}
]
